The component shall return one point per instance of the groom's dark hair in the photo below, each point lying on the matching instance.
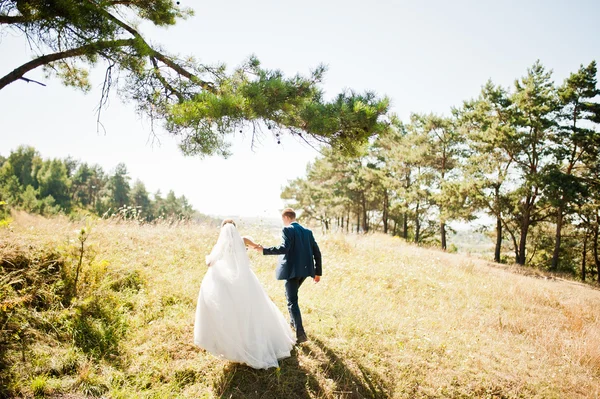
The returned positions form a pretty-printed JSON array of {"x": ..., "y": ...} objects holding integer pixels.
[{"x": 289, "y": 213}]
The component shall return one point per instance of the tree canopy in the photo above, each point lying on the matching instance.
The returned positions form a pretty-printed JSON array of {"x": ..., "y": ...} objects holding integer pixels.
[
  {"x": 50, "y": 186},
  {"x": 201, "y": 104},
  {"x": 526, "y": 156}
]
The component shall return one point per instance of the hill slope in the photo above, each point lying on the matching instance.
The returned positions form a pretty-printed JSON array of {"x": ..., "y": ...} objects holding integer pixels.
[{"x": 387, "y": 320}]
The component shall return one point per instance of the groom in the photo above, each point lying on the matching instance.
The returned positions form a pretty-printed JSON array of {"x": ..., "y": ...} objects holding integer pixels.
[{"x": 300, "y": 258}]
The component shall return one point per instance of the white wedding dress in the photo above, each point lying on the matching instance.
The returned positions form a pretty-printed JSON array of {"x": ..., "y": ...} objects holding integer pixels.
[{"x": 235, "y": 319}]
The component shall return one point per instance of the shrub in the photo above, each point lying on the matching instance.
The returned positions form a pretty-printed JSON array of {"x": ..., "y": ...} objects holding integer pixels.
[
  {"x": 131, "y": 281},
  {"x": 89, "y": 383},
  {"x": 96, "y": 325},
  {"x": 39, "y": 386}
]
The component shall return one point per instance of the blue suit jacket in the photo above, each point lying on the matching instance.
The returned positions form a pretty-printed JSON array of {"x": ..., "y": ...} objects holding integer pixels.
[{"x": 300, "y": 255}]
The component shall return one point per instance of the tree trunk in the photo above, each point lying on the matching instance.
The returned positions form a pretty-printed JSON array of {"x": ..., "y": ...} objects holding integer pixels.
[
  {"x": 348, "y": 223},
  {"x": 385, "y": 212},
  {"x": 365, "y": 216},
  {"x": 443, "y": 222},
  {"x": 498, "y": 239},
  {"x": 584, "y": 256},
  {"x": 443, "y": 234},
  {"x": 417, "y": 224},
  {"x": 515, "y": 245},
  {"x": 595, "y": 246},
  {"x": 405, "y": 218},
  {"x": 358, "y": 222},
  {"x": 521, "y": 255},
  {"x": 557, "y": 239},
  {"x": 91, "y": 196}
]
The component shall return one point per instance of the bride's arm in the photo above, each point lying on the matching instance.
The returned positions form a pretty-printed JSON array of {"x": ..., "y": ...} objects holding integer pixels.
[
  {"x": 249, "y": 243},
  {"x": 215, "y": 254},
  {"x": 210, "y": 259}
]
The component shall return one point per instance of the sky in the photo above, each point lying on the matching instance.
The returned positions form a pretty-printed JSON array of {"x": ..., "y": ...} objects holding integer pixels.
[{"x": 426, "y": 56}]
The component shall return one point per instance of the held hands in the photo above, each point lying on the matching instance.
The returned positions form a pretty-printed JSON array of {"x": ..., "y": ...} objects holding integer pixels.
[{"x": 251, "y": 244}]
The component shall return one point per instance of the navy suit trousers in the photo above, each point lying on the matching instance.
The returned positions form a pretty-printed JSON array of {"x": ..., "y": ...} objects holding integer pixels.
[{"x": 291, "y": 293}]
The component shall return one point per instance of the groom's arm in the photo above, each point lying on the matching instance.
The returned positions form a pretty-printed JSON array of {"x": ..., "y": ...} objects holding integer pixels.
[{"x": 282, "y": 248}]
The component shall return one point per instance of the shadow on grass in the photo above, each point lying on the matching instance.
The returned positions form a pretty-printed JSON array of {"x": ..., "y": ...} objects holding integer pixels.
[{"x": 313, "y": 370}]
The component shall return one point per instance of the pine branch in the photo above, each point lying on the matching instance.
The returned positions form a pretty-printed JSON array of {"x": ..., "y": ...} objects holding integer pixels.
[
  {"x": 31, "y": 80},
  {"x": 49, "y": 58},
  {"x": 156, "y": 54},
  {"x": 164, "y": 81},
  {"x": 180, "y": 70}
]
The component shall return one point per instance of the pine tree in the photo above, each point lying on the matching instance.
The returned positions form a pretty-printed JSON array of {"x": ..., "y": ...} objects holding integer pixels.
[
  {"x": 395, "y": 146},
  {"x": 25, "y": 161},
  {"x": 488, "y": 125},
  {"x": 141, "y": 200},
  {"x": 80, "y": 183},
  {"x": 119, "y": 187},
  {"x": 54, "y": 183},
  {"x": 575, "y": 140},
  {"x": 442, "y": 159},
  {"x": 535, "y": 105}
]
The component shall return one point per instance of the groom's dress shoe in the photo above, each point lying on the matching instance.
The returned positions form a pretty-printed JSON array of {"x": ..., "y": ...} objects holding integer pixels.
[{"x": 301, "y": 338}]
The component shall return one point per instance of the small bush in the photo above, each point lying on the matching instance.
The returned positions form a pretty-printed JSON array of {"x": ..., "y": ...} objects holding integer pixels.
[
  {"x": 184, "y": 377},
  {"x": 97, "y": 325},
  {"x": 90, "y": 384},
  {"x": 67, "y": 364},
  {"x": 131, "y": 281},
  {"x": 37, "y": 275},
  {"x": 170, "y": 300},
  {"x": 39, "y": 386},
  {"x": 31, "y": 282}
]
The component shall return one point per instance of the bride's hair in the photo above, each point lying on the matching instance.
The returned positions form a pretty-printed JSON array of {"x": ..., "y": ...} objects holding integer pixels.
[{"x": 225, "y": 221}]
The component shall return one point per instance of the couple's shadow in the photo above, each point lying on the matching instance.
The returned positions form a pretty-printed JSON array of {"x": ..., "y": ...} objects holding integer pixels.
[{"x": 313, "y": 370}]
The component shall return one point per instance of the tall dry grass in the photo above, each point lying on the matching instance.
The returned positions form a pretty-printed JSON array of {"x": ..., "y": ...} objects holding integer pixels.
[{"x": 387, "y": 320}]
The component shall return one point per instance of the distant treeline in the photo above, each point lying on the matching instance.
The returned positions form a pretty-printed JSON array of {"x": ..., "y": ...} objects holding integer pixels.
[
  {"x": 528, "y": 157},
  {"x": 51, "y": 186}
]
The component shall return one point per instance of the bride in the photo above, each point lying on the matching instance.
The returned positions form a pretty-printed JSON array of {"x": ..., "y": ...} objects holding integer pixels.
[{"x": 235, "y": 319}]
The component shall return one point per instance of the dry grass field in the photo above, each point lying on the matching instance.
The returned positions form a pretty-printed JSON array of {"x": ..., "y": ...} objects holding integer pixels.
[{"x": 388, "y": 319}]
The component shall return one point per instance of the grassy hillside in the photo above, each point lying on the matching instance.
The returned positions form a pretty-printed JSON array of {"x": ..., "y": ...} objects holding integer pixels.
[{"x": 387, "y": 320}]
